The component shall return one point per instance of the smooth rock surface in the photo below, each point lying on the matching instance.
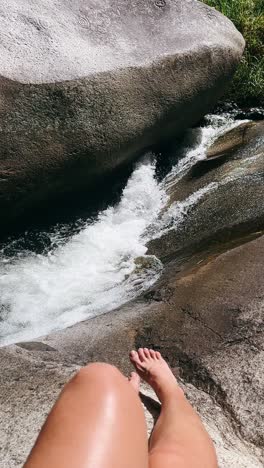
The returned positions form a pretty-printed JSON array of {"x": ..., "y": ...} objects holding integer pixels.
[
  {"x": 85, "y": 87},
  {"x": 72, "y": 40},
  {"x": 232, "y": 140}
]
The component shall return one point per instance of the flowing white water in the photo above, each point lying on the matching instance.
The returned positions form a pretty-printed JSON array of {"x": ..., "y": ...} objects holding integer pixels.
[
  {"x": 105, "y": 264},
  {"x": 177, "y": 211}
]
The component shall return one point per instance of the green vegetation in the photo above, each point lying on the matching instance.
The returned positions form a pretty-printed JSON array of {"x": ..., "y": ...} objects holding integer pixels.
[{"x": 247, "y": 87}]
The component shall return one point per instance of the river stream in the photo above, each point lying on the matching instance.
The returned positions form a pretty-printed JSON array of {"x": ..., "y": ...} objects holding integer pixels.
[{"x": 104, "y": 263}]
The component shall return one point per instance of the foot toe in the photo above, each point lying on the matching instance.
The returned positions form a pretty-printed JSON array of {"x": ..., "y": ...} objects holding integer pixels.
[
  {"x": 147, "y": 353},
  {"x": 134, "y": 357},
  {"x": 141, "y": 354}
]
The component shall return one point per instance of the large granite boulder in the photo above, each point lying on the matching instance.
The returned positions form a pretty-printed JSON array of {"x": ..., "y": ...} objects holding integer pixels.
[{"x": 84, "y": 88}]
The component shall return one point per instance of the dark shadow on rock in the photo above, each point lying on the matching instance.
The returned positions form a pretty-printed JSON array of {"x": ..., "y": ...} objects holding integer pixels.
[
  {"x": 35, "y": 346},
  {"x": 33, "y": 232},
  {"x": 152, "y": 405},
  {"x": 171, "y": 151},
  {"x": 204, "y": 167}
]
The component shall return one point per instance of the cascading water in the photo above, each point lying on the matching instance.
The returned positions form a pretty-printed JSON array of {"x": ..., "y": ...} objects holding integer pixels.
[{"x": 106, "y": 263}]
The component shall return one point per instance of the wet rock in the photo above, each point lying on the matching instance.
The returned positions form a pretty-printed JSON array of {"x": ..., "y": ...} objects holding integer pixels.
[
  {"x": 242, "y": 135},
  {"x": 256, "y": 113},
  {"x": 230, "y": 191},
  {"x": 229, "y": 142},
  {"x": 85, "y": 95}
]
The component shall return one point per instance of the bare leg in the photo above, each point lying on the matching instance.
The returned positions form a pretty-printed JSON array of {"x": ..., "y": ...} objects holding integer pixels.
[
  {"x": 179, "y": 439},
  {"x": 97, "y": 422}
]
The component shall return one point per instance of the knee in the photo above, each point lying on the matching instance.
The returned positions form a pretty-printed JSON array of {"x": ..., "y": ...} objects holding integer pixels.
[{"x": 100, "y": 372}]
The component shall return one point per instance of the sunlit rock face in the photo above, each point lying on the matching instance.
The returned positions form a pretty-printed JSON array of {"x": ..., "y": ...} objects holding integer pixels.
[
  {"x": 85, "y": 86},
  {"x": 56, "y": 41}
]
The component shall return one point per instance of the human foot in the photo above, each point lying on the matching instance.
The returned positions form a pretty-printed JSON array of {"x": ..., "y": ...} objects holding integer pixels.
[
  {"x": 152, "y": 368},
  {"x": 134, "y": 380}
]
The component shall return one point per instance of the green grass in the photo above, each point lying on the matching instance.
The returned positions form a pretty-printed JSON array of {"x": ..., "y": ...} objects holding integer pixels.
[{"x": 247, "y": 87}]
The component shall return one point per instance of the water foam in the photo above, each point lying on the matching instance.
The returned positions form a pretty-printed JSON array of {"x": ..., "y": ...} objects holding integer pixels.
[
  {"x": 176, "y": 213},
  {"x": 216, "y": 126},
  {"x": 89, "y": 274}
]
